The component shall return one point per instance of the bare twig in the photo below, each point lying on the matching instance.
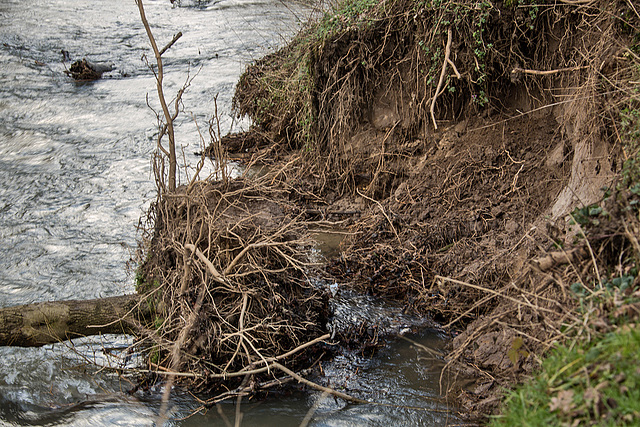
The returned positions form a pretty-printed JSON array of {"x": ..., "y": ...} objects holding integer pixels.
[
  {"x": 171, "y": 43},
  {"x": 577, "y": 2},
  {"x": 163, "y": 103},
  {"x": 345, "y": 396},
  {"x": 593, "y": 257},
  {"x": 455, "y": 69},
  {"x": 481, "y": 288},
  {"x": 432, "y": 352},
  {"x": 242, "y": 253},
  {"x": 175, "y": 353},
  {"x": 311, "y": 384},
  {"x": 518, "y": 70},
  {"x": 307, "y": 418},
  {"x": 383, "y": 213},
  {"x": 249, "y": 370},
  {"x": 212, "y": 269}
]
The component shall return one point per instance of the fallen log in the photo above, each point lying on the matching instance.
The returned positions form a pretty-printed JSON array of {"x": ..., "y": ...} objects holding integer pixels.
[{"x": 38, "y": 324}]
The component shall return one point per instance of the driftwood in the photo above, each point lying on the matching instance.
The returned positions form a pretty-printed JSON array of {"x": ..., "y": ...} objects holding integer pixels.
[
  {"x": 85, "y": 70},
  {"x": 553, "y": 259},
  {"x": 38, "y": 324}
]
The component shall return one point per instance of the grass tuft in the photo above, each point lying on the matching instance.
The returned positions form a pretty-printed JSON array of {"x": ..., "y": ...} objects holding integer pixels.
[{"x": 587, "y": 383}]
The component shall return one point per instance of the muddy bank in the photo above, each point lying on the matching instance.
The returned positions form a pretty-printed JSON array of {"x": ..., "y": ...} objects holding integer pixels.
[{"x": 455, "y": 142}]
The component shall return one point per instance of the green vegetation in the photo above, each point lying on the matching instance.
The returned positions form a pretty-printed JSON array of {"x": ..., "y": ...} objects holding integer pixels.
[
  {"x": 344, "y": 15},
  {"x": 279, "y": 95},
  {"x": 142, "y": 285},
  {"x": 587, "y": 215},
  {"x": 594, "y": 377},
  {"x": 344, "y": 55},
  {"x": 584, "y": 383}
]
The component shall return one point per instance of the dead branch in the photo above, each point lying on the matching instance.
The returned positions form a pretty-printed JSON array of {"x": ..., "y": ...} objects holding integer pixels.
[
  {"x": 311, "y": 384},
  {"x": 383, "y": 213},
  {"x": 171, "y": 43},
  {"x": 163, "y": 103},
  {"x": 518, "y": 70},
  {"x": 577, "y": 2},
  {"x": 38, "y": 324},
  {"x": 257, "y": 305},
  {"x": 553, "y": 259},
  {"x": 242, "y": 253},
  {"x": 212, "y": 269},
  {"x": 491, "y": 291}
]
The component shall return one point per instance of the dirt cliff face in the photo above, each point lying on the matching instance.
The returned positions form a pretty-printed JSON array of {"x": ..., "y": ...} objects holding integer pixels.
[{"x": 455, "y": 141}]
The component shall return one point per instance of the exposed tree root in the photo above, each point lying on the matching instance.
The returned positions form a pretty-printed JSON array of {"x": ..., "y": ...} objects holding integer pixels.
[{"x": 231, "y": 260}]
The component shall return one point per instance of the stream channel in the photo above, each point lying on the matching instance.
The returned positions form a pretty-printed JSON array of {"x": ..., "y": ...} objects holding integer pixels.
[{"x": 76, "y": 178}]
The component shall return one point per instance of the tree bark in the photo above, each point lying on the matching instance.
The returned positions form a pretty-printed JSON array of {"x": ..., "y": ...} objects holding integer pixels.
[{"x": 38, "y": 324}]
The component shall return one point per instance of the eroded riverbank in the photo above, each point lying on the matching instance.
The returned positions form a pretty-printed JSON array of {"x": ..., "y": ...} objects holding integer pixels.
[
  {"x": 77, "y": 178},
  {"x": 480, "y": 166}
]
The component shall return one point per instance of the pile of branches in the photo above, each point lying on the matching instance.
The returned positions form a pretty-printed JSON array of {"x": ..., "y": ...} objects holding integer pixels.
[{"x": 225, "y": 272}]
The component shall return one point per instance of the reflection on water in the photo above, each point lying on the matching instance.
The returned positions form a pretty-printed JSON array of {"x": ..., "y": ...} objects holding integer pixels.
[
  {"x": 402, "y": 380},
  {"x": 76, "y": 177}
]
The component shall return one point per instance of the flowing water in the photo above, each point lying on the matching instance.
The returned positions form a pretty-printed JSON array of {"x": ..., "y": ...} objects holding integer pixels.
[{"x": 75, "y": 178}]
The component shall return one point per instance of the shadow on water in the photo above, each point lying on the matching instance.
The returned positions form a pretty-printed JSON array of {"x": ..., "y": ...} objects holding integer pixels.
[{"x": 102, "y": 410}]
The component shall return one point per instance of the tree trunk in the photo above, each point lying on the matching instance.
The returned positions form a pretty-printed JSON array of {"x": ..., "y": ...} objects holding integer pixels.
[{"x": 38, "y": 324}]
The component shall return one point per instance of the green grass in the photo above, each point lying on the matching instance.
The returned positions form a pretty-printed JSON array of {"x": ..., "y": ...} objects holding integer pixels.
[
  {"x": 594, "y": 383},
  {"x": 345, "y": 14}
]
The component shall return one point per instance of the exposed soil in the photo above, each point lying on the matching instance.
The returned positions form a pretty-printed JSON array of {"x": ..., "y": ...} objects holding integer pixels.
[
  {"x": 452, "y": 143},
  {"x": 468, "y": 203},
  {"x": 464, "y": 222}
]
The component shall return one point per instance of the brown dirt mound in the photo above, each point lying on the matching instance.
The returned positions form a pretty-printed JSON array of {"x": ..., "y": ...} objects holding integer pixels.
[
  {"x": 354, "y": 89},
  {"x": 467, "y": 198}
]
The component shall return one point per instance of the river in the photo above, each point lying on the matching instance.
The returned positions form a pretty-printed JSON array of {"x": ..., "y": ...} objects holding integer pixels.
[{"x": 76, "y": 178}]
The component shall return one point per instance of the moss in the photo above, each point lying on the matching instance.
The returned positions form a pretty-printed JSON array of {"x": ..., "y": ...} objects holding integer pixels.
[
  {"x": 143, "y": 284},
  {"x": 278, "y": 93}
]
